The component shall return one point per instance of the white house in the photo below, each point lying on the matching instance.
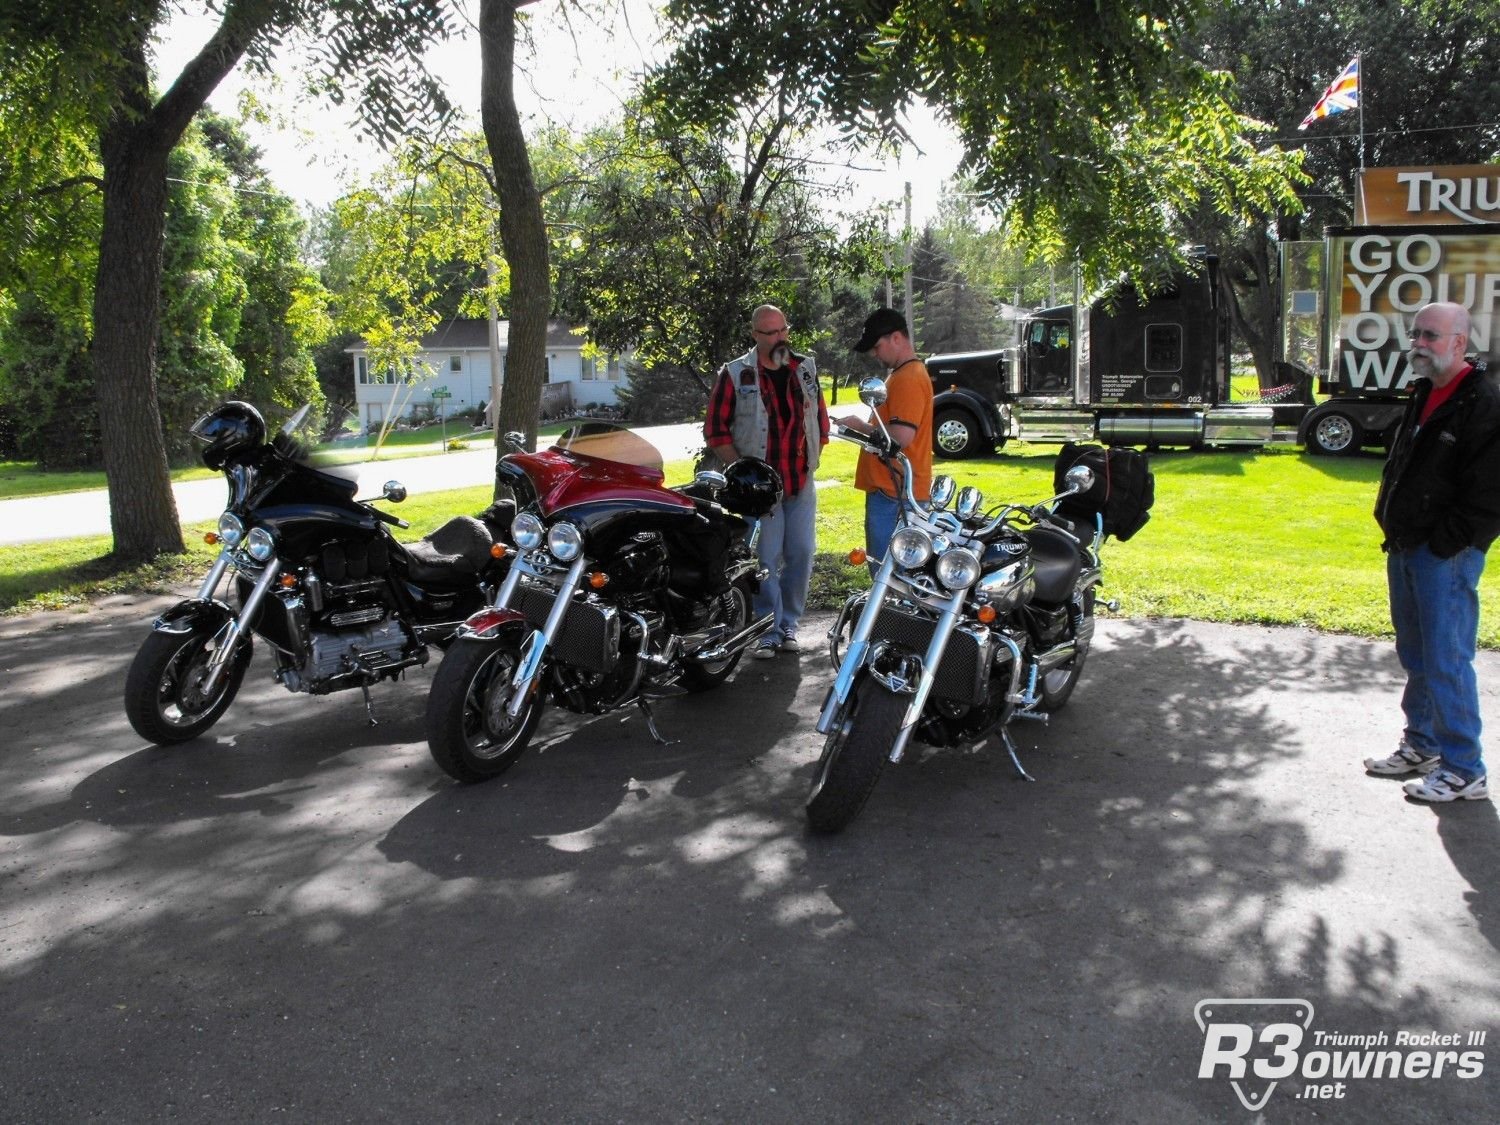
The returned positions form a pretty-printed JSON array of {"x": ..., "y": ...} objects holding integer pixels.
[{"x": 455, "y": 358}]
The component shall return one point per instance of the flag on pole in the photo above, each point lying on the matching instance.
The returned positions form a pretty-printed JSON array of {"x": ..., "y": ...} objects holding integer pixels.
[{"x": 1342, "y": 94}]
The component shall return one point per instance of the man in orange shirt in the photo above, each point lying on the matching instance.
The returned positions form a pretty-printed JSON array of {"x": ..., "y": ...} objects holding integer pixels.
[{"x": 907, "y": 414}]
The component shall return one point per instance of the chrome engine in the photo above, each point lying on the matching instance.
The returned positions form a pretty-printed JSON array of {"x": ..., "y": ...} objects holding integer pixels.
[{"x": 334, "y": 657}]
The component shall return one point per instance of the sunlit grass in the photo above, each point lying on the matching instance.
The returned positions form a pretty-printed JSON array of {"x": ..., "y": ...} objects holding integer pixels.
[{"x": 1272, "y": 537}]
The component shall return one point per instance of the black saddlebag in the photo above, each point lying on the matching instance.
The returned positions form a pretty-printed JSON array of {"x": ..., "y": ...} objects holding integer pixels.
[{"x": 1124, "y": 487}]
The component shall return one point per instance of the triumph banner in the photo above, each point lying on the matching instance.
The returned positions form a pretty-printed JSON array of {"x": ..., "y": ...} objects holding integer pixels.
[{"x": 1379, "y": 278}]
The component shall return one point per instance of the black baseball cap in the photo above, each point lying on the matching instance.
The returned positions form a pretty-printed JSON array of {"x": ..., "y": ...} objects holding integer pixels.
[{"x": 881, "y": 322}]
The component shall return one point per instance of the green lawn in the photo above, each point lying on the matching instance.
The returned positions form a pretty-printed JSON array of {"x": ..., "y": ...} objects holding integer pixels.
[
  {"x": 23, "y": 478},
  {"x": 1273, "y": 537}
]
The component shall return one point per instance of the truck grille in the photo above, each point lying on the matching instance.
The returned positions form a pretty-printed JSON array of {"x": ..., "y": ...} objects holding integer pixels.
[
  {"x": 589, "y": 636},
  {"x": 961, "y": 676}
]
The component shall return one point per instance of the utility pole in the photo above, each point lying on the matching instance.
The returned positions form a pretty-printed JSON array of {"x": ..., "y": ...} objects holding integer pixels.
[{"x": 910, "y": 319}]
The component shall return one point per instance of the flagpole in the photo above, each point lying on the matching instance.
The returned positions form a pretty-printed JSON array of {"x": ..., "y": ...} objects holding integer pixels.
[{"x": 1360, "y": 63}]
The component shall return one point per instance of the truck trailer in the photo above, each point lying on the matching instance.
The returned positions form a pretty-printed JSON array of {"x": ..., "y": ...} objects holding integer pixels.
[{"x": 1153, "y": 369}]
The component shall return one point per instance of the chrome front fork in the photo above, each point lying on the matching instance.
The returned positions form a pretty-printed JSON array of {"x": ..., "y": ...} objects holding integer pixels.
[
  {"x": 229, "y": 636},
  {"x": 536, "y": 645}
]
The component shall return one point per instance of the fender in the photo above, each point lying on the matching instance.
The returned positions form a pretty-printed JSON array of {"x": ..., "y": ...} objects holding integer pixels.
[
  {"x": 1373, "y": 415},
  {"x": 985, "y": 412},
  {"x": 187, "y": 615},
  {"x": 485, "y": 625}
]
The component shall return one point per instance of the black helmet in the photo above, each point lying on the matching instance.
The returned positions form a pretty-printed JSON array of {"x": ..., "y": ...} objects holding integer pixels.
[
  {"x": 754, "y": 487},
  {"x": 233, "y": 428}
]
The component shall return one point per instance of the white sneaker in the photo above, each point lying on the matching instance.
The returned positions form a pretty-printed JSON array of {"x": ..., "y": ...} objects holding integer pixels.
[
  {"x": 1407, "y": 759},
  {"x": 765, "y": 649},
  {"x": 1445, "y": 785},
  {"x": 789, "y": 643}
]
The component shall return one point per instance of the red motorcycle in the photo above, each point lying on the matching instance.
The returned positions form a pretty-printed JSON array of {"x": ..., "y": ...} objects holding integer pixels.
[{"x": 619, "y": 590}]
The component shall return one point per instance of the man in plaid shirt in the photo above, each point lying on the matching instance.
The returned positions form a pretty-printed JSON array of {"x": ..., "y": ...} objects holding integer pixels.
[{"x": 767, "y": 403}]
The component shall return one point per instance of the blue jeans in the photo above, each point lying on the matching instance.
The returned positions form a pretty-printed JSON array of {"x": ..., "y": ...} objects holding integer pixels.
[
  {"x": 788, "y": 536},
  {"x": 881, "y": 512},
  {"x": 1435, "y": 608}
]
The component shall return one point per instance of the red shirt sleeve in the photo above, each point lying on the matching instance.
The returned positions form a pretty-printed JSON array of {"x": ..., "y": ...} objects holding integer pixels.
[{"x": 720, "y": 411}]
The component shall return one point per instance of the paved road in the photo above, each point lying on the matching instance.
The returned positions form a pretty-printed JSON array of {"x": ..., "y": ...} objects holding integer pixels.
[
  {"x": 71, "y": 514},
  {"x": 299, "y": 918}
]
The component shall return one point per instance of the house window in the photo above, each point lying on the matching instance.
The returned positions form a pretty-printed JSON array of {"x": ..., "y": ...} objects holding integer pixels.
[
  {"x": 546, "y": 371},
  {"x": 1164, "y": 347},
  {"x": 614, "y": 369},
  {"x": 362, "y": 368},
  {"x": 455, "y": 363},
  {"x": 589, "y": 369}
]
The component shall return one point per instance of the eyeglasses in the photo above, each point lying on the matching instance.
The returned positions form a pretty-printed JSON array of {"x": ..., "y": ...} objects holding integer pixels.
[
  {"x": 1427, "y": 335},
  {"x": 769, "y": 331}
]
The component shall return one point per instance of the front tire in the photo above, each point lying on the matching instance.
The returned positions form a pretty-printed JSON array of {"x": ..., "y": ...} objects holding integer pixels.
[
  {"x": 956, "y": 434},
  {"x": 733, "y": 609},
  {"x": 853, "y": 757},
  {"x": 163, "y": 689},
  {"x": 470, "y": 736}
]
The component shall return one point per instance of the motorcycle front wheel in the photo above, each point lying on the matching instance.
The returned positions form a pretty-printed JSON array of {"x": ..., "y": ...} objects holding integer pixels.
[
  {"x": 732, "y": 609},
  {"x": 853, "y": 757},
  {"x": 164, "y": 698},
  {"x": 468, "y": 731}
]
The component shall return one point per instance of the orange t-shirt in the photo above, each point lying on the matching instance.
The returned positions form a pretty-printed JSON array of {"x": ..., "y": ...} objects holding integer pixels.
[{"x": 908, "y": 400}]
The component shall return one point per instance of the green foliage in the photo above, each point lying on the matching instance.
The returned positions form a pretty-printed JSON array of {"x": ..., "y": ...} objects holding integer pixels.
[
  {"x": 1092, "y": 129},
  {"x": 46, "y": 388},
  {"x": 683, "y": 231}
]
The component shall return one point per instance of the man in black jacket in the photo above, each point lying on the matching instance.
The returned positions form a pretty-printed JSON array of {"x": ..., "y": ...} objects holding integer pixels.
[{"x": 1439, "y": 507}]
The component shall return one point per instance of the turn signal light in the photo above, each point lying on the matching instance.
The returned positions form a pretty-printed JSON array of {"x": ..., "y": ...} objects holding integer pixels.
[
  {"x": 598, "y": 579},
  {"x": 211, "y": 538},
  {"x": 857, "y": 557},
  {"x": 499, "y": 550},
  {"x": 986, "y": 614},
  {"x": 287, "y": 581}
]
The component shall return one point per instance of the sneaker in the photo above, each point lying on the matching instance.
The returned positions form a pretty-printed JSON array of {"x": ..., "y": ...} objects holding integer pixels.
[
  {"x": 1407, "y": 759},
  {"x": 766, "y": 648},
  {"x": 1445, "y": 785},
  {"x": 789, "y": 643}
]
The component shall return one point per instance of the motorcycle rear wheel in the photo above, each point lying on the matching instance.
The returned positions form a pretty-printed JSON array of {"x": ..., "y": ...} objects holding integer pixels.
[
  {"x": 163, "y": 700},
  {"x": 733, "y": 609},
  {"x": 854, "y": 756},
  {"x": 468, "y": 732},
  {"x": 1057, "y": 685}
]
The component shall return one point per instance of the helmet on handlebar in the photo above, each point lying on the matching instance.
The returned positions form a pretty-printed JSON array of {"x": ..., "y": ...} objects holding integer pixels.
[
  {"x": 231, "y": 429},
  {"x": 754, "y": 487}
]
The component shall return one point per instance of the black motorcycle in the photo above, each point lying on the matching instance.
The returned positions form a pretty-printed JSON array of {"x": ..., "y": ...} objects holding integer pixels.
[{"x": 316, "y": 574}]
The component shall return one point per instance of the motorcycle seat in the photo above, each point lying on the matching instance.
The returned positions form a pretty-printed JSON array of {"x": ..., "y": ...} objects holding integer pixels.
[
  {"x": 1057, "y": 562},
  {"x": 458, "y": 549}
]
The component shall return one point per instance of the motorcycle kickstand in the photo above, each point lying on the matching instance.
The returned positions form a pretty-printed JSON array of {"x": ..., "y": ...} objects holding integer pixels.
[
  {"x": 369, "y": 706},
  {"x": 1010, "y": 748},
  {"x": 645, "y": 707}
]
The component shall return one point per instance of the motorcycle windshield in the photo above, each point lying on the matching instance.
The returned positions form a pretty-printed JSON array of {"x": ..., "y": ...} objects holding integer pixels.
[{"x": 611, "y": 442}]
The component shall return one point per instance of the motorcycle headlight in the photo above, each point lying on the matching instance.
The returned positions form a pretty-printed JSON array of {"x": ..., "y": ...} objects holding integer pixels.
[
  {"x": 564, "y": 541},
  {"x": 527, "y": 531},
  {"x": 231, "y": 530},
  {"x": 958, "y": 569},
  {"x": 260, "y": 544},
  {"x": 911, "y": 547}
]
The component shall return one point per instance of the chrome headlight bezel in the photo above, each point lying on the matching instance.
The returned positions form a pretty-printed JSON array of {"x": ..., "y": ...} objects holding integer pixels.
[
  {"x": 564, "y": 541},
  {"x": 958, "y": 569},
  {"x": 231, "y": 530},
  {"x": 911, "y": 547},
  {"x": 260, "y": 545},
  {"x": 527, "y": 531}
]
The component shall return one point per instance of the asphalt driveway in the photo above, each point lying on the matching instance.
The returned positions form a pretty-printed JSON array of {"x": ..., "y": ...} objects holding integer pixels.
[{"x": 300, "y": 918}]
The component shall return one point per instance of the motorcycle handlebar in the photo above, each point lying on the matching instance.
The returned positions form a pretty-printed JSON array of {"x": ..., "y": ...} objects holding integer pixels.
[{"x": 386, "y": 517}]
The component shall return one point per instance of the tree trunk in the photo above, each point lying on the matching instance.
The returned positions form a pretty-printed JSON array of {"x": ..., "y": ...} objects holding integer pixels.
[
  {"x": 523, "y": 230},
  {"x": 127, "y": 291},
  {"x": 133, "y": 146}
]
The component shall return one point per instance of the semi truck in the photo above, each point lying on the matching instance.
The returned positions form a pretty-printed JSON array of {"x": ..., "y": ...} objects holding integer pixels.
[{"x": 1154, "y": 369}]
